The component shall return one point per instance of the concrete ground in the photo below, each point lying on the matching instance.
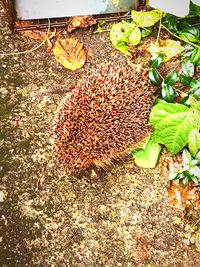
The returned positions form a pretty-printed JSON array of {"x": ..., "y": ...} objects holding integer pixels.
[{"x": 120, "y": 217}]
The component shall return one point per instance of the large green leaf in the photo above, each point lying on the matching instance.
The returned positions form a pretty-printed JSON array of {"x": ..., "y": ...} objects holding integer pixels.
[
  {"x": 163, "y": 110},
  {"x": 194, "y": 141},
  {"x": 172, "y": 125},
  {"x": 148, "y": 157}
]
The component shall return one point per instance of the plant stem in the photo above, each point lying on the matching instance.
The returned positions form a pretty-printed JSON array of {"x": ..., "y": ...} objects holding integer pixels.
[
  {"x": 160, "y": 24},
  {"x": 180, "y": 37},
  {"x": 32, "y": 49}
]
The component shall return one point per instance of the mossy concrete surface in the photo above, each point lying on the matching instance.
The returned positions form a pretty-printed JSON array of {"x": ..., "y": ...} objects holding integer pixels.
[{"x": 119, "y": 217}]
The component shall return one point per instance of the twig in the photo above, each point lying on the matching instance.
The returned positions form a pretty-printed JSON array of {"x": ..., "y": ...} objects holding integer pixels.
[
  {"x": 160, "y": 24},
  {"x": 32, "y": 49}
]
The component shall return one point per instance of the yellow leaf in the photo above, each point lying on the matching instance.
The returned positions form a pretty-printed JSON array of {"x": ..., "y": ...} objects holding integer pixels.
[
  {"x": 70, "y": 53},
  {"x": 135, "y": 36},
  {"x": 169, "y": 48},
  {"x": 146, "y": 19}
]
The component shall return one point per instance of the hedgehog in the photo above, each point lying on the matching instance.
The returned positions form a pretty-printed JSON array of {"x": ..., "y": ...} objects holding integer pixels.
[{"x": 103, "y": 118}]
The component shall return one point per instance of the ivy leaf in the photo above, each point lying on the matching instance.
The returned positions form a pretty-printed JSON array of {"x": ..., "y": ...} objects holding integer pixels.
[
  {"x": 195, "y": 90},
  {"x": 154, "y": 77},
  {"x": 190, "y": 33},
  {"x": 172, "y": 22},
  {"x": 195, "y": 55},
  {"x": 146, "y": 19},
  {"x": 185, "y": 181},
  {"x": 194, "y": 9},
  {"x": 168, "y": 93},
  {"x": 185, "y": 79},
  {"x": 194, "y": 141},
  {"x": 186, "y": 157},
  {"x": 156, "y": 60},
  {"x": 187, "y": 67},
  {"x": 197, "y": 63},
  {"x": 172, "y": 125},
  {"x": 148, "y": 157},
  {"x": 146, "y": 32},
  {"x": 171, "y": 78},
  {"x": 184, "y": 100}
]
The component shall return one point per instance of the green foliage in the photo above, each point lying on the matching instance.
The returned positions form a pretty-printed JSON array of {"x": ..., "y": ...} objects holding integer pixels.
[
  {"x": 168, "y": 93},
  {"x": 173, "y": 124},
  {"x": 146, "y": 19},
  {"x": 190, "y": 170},
  {"x": 124, "y": 33},
  {"x": 146, "y": 31},
  {"x": 156, "y": 60},
  {"x": 195, "y": 89},
  {"x": 190, "y": 33},
  {"x": 154, "y": 77},
  {"x": 147, "y": 157},
  {"x": 187, "y": 67},
  {"x": 99, "y": 27}
]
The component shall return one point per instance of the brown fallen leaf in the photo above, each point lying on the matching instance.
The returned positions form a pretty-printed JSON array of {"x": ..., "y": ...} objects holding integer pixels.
[
  {"x": 140, "y": 252},
  {"x": 41, "y": 179},
  {"x": 81, "y": 22},
  {"x": 70, "y": 53},
  {"x": 178, "y": 195}
]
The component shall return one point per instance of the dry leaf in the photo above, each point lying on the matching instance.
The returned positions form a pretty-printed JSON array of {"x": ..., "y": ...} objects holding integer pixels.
[
  {"x": 70, "y": 53},
  {"x": 81, "y": 22},
  {"x": 141, "y": 251}
]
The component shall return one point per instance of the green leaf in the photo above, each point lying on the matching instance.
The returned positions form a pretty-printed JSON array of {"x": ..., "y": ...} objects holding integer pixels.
[
  {"x": 195, "y": 89},
  {"x": 195, "y": 171},
  {"x": 168, "y": 93},
  {"x": 194, "y": 141},
  {"x": 194, "y": 9},
  {"x": 146, "y": 19},
  {"x": 161, "y": 111},
  {"x": 148, "y": 157},
  {"x": 197, "y": 63},
  {"x": 135, "y": 36},
  {"x": 154, "y": 77},
  {"x": 184, "y": 100},
  {"x": 187, "y": 67},
  {"x": 99, "y": 28},
  {"x": 190, "y": 33},
  {"x": 146, "y": 32},
  {"x": 172, "y": 125},
  {"x": 185, "y": 79},
  {"x": 171, "y": 78},
  {"x": 195, "y": 55},
  {"x": 185, "y": 181},
  {"x": 156, "y": 60},
  {"x": 186, "y": 157},
  {"x": 119, "y": 35},
  {"x": 172, "y": 22}
]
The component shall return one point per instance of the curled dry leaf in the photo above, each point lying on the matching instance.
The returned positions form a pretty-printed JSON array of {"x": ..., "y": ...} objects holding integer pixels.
[
  {"x": 81, "y": 22},
  {"x": 70, "y": 53},
  {"x": 141, "y": 250}
]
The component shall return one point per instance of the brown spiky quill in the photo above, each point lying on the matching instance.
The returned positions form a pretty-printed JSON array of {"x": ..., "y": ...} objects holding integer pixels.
[{"x": 105, "y": 116}]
